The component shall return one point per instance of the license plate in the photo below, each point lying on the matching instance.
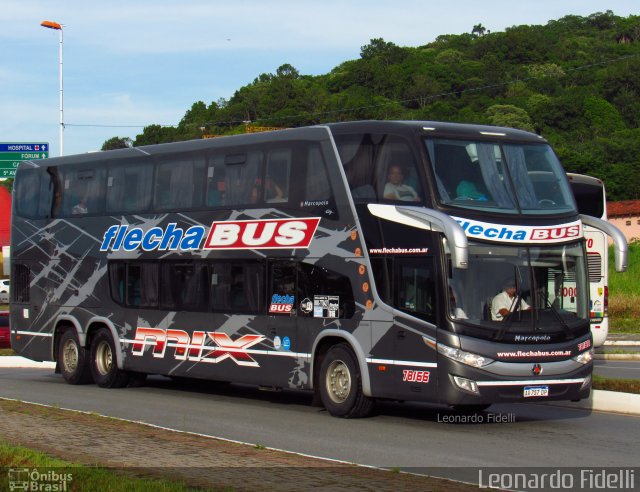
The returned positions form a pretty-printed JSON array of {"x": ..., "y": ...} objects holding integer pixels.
[{"x": 532, "y": 391}]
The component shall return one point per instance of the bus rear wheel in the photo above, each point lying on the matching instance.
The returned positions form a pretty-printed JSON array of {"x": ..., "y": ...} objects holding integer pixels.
[
  {"x": 73, "y": 359},
  {"x": 341, "y": 384},
  {"x": 103, "y": 362}
]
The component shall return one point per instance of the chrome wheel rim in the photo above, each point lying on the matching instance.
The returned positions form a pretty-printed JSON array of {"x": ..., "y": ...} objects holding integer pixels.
[
  {"x": 70, "y": 356},
  {"x": 104, "y": 358},
  {"x": 338, "y": 381}
]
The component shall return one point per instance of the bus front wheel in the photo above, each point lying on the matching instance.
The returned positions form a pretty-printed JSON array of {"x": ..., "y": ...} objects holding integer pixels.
[
  {"x": 341, "y": 384},
  {"x": 73, "y": 359},
  {"x": 103, "y": 362}
]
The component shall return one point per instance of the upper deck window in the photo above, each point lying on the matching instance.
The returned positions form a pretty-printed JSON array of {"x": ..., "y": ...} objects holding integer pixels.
[
  {"x": 276, "y": 185},
  {"x": 243, "y": 174},
  {"x": 379, "y": 168},
  {"x": 508, "y": 178},
  {"x": 317, "y": 185},
  {"x": 33, "y": 193},
  {"x": 83, "y": 191},
  {"x": 129, "y": 186},
  {"x": 179, "y": 182}
]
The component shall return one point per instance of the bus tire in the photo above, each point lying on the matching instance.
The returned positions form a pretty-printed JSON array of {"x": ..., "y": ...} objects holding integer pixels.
[
  {"x": 73, "y": 359},
  {"x": 341, "y": 384},
  {"x": 103, "y": 361}
]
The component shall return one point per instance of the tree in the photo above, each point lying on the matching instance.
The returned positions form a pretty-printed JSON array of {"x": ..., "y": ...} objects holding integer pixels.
[
  {"x": 288, "y": 71},
  {"x": 509, "y": 116},
  {"x": 602, "y": 115},
  {"x": 116, "y": 143},
  {"x": 154, "y": 134},
  {"x": 8, "y": 184},
  {"x": 478, "y": 30},
  {"x": 385, "y": 52}
]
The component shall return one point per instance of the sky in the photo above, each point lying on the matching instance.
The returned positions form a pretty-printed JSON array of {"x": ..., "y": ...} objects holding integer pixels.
[{"x": 129, "y": 64}]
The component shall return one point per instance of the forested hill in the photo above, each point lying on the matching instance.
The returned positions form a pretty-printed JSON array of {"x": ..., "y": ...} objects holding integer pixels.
[{"x": 575, "y": 80}]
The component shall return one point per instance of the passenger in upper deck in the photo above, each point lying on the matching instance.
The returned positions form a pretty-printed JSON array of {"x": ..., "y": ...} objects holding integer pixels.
[
  {"x": 273, "y": 192},
  {"x": 395, "y": 189},
  {"x": 81, "y": 207},
  {"x": 467, "y": 190}
]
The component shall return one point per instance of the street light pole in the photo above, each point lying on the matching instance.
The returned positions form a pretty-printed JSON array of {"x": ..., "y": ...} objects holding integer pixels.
[{"x": 58, "y": 27}]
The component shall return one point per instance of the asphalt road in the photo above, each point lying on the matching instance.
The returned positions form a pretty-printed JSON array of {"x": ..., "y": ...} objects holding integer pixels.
[
  {"x": 400, "y": 435},
  {"x": 627, "y": 369}
]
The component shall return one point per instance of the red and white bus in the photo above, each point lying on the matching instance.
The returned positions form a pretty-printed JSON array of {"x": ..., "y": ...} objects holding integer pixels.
[{"x": 590, "y": 196}]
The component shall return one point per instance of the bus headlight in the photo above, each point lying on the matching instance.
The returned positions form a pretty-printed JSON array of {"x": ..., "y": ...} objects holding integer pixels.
[
  {"x": 585, "y": 357},
  {"x": 467, "y": 358},
  {"x": 466, "y": 384}
]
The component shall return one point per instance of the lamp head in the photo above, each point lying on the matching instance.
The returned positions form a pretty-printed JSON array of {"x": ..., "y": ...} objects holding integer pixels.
[{"x": 51, "y": 25}]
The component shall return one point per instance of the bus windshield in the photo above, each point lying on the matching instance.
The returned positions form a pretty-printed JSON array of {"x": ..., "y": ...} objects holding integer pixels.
[
  {"x": 589, "y": 196},
  {"x": 499, "y": 178},
  {"x": 509, "y": 289}
]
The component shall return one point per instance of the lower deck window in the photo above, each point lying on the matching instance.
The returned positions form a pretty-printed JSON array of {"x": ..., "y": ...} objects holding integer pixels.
[
  {"x": 408, "y": 284},
  {"x": 234, "y": 286}
]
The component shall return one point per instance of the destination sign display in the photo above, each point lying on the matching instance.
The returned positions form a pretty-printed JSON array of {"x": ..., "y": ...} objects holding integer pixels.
[{"x": 13, "y": 153}]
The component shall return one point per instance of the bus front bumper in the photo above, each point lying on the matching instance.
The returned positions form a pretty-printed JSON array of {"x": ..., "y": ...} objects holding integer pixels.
[{"x": 459, "y": 384}]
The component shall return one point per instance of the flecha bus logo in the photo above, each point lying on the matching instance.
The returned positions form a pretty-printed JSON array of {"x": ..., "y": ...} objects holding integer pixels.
[
  {"x": 262, "y": 234},
  {"x": 281, "y": 304},
  {"x": 290, "y": 233},
  {"x": 520, "y": 233}
]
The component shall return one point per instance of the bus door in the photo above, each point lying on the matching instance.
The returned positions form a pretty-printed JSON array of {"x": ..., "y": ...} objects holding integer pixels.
[
  {"x": 407, "y": 283},
  {"x": 415, "y": 295},
  {"x": 282, "y": 324},
  {"x": 304, "y": 299}
]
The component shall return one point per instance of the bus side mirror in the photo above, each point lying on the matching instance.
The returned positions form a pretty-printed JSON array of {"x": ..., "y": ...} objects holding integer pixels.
[
  {"x": 430, "y": 220},
  {"x": 620, "y": 247},
  {"x": 437, "y": 221}
]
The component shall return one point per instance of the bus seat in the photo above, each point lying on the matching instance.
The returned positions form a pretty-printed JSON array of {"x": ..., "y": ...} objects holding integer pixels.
[{"x": 486, "y": 310}]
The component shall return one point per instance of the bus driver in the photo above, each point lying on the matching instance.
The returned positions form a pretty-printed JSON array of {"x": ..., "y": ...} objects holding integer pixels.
[{"x": 505, "y": 302}]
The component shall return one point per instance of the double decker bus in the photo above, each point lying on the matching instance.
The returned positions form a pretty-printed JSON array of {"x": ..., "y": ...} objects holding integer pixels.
[
  {"x": 362, "y": 261},
  {"x": 590, "y": 196}
]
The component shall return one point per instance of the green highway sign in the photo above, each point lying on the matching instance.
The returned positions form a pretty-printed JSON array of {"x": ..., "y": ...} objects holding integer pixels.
[
  {"x": 13, "y": 153},
  {"x": 22, "y": 156}
]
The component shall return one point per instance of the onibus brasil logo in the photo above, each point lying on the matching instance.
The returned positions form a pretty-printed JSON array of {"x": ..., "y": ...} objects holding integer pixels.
[{"x": 32, "y": 480}]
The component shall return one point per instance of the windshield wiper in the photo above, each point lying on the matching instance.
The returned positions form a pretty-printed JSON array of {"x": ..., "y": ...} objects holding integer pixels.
[
  {"x": 508, "y": 319},
  {"x": 558, "y": 316}
]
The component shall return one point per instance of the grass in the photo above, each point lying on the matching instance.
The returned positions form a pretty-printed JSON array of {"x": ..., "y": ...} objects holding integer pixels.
[
  {"x": 624, "y": 293},
  {"x": 6, "y": 352},
  {"x": 81, "y": 477},
  {"x": 615, "y": 384}
]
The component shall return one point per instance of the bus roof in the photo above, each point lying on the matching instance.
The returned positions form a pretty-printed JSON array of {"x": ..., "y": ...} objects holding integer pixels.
[
  {"x": 437, "y": 129},
  {"x": 202, "y": 144},
  {"x": 431, "y": 128},
  {"x": 584, "y": 179}
]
